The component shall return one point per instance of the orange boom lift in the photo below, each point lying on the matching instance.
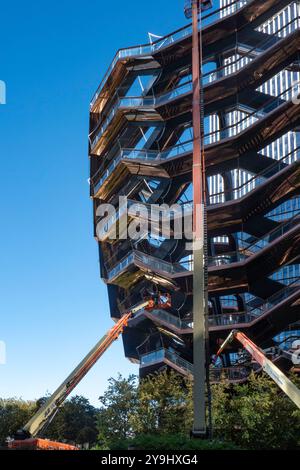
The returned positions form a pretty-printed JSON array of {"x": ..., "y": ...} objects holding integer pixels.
[
  {"x": 273, "y": 371},
  {"x": 27, "y": 438}
]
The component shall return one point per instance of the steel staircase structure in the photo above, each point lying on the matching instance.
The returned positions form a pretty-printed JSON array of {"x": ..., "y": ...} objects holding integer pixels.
[{"x": 140, "y": 147}]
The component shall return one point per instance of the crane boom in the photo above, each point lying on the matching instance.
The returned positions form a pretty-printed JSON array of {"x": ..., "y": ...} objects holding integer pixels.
[
  {"x": 268, "y": 366},
  {"x": 46, "y": 413}
]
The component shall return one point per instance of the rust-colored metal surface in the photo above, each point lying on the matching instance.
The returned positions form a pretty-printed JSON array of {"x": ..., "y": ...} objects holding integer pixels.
[{"x": 148, "y": 148}]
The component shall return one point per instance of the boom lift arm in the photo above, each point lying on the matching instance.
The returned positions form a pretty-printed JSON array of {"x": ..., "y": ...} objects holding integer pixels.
[
  {"x": 273, "y": 371},
  {"x": 47, "y": 412}
]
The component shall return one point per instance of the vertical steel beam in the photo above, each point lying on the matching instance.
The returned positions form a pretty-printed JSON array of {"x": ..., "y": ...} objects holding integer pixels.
[{"x": 199, "y": 294}]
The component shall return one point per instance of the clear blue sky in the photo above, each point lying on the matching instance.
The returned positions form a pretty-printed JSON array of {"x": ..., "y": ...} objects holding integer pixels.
[{"x": 53, "y": 303}]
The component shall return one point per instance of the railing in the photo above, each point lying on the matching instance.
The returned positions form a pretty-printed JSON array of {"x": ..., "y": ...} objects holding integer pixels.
[
  {"x": 186, "y": 266},
  {"x": 179, "y": 361},
  {"x": 216, "y": 374},
  {"x": 159, "y": 355},
  {"x": 288, "y": 343},
  {"x": 257, "y": 180},
  {"x": 232, "y": 8},
  {"x": 131, "y": 154},
  {"x": 152, "y": 357},
  {"x": 220, "y": 260},
  {"x": 227, "y": 258},
  {"x": 251, "y": 116},
  {"x": 111, "y": 223},
  {"x": 204, "y": 6},
  {"x": 155, "y": 264},
  {"x": 231, "y": 374},
  {"x": 127, "y": 261},
  {"x": 209, "y": 138},
  {"x": 98, "y": 183},
  {"x": 253, "y": 247},
  {"x": 158, "y": 45},
  {"x": 209, "y": 77},
  {"x": 164, "y": 266},
  {"x": 163, "y": 315},
  {"x": 249, "y": 53},
  {"x": 187, "y": 87},
  {"x": 277, "y": 298},
  {"x": 230, "y": 319},
  {"x": 140, "y": 102},
  {"x": 131, "y": 209},
  {"x": 252, "y": 313},
  {"x": 183, "y": 148}
]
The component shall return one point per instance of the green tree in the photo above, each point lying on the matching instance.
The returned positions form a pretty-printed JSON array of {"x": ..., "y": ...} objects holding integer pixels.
[
  {"x": 117, "y": 405},
  {"x": 75, "y": 422},
  {"x": 14, "y": 414},
  {"x": 164, "y": 405},
  {"x": 256, "y": 415}
]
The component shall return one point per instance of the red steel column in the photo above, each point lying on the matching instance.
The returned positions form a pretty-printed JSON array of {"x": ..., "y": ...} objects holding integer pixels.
[{"x": 199, "y": 284}]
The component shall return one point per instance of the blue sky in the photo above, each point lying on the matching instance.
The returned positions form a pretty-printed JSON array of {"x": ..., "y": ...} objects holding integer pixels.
[{"x": 53, "y": 304}]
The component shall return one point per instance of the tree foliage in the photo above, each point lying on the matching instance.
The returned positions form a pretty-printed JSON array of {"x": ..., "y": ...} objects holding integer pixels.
[
  {"x": 163, "y": 405},
  {"x": 157, "y": 412},
  {"x": 117, "y": 405},
  {"x": 256, "y": 415},
  {"x": 14, "y": 414},
  {"x": 75, "y": 422}
]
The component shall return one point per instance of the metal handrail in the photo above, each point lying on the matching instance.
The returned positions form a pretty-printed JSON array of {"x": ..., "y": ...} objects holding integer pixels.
[
  {"x": 246, "y": 252},
  {"x": 270, "y": 236},
  {"x": 266, "y": 173},
  {"x": 140, "y": 101},
  {"x": 151, "y": 262},
  {"x": 187, "y": 265},
  {"x": 185, "y": 210},
  {"x": 277, "y": 298},
  {"x": 161, "y": 43},
  {"x": 208, "y": 77},
  {"x": 211, "y": 76},
  {"x": 257, "y": 114},
  {"x": 168, "y": 317},
  {"x": 143, "y": 154},
  {"x": 101, "y": 176},
  {"x": 180, "y": 91},
  {"x": 273, "y": 39},
  {"x": 254, "y": 313},
  {"x": 216, "y": 373}
]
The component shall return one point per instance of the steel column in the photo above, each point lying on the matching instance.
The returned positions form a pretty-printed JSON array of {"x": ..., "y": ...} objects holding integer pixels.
[{"x": 199, "y": 295}]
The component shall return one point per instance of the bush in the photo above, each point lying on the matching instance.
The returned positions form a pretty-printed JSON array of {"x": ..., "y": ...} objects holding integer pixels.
[
  {"x": 158, "y": 414},
  {"x": 170, "y": 442},
  {"x": 256, "y": 415},
  {"x": 14, "y": 414}
]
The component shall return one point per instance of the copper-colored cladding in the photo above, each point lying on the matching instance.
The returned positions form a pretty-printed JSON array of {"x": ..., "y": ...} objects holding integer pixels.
[
  {"x": 227, "y": 153},
  {"x": 214, "y": 36},
  {"x": 199, "y": 250},
  {"x": 198, "y": 181},
  {"x": 223, "y": 277},
  {"x": 237, "y": 207}
]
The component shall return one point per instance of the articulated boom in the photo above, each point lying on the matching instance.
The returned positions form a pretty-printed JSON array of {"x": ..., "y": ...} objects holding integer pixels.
[
  {"x": 47, "y": 412},
  {"x": 271, "y": 369}
]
